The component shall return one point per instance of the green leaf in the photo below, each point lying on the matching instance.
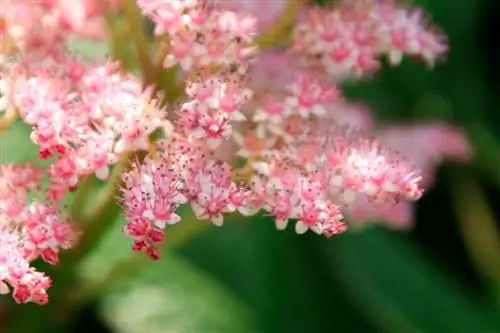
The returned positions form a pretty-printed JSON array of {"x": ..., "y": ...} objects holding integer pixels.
[
  {"x": 172, "y": 296},
  {"x": 276, "y": 275},
  {"x": 168, "y": 295},
  {"x": 398, "y": 286},
  {"x": 16, "y": 145},
  {"x": 89, "y": 49}
]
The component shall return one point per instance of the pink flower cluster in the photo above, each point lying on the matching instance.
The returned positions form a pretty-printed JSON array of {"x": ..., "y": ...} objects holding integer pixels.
[
  {"x": 200, "y": 33},
  {"x": 28, "y": 231},
  {"x": 34, "y": 25},
  {"x": 304, "y": 152},
  {"x": 347, "y": 42}
]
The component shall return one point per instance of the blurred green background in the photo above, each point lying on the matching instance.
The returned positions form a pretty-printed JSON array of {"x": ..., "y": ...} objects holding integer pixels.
[{"x": 442, "y": 276}]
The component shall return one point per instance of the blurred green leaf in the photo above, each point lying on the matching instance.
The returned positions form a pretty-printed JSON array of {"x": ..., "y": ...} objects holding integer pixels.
[
  {"x": 277, "y": 276},
  {"x": 167, "y": 296},
  {"x": 89, "y": 49},
  {"x": 15, "y": 144},
  {"x": 172, "y": 296},
  {"x": 400, "y": 288}
]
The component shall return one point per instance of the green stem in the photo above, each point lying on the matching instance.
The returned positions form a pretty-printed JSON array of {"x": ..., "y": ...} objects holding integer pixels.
[
  {"x": 487, "y": 159},
  {"x": 176, "y": 236},
  {"x": 140, "y": 39},
  {"x": 477, "y": 226},
  {"x": 279, "y": 31},
  {"x": 8, "y": 118},
  {"x": 77, "y": 209},
  {"x": 105, "y": 211}
]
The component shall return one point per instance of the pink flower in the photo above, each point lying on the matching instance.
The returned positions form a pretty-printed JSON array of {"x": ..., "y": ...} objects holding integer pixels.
[
  {"x": 427, "y": 145},
  {"x": 347, "y": 41},
  {"x": 45, "y": 231},
  {"x": 151, "y": 194},
  {"x": 201, "y": 34},
  {"x": 302, "y": 153},
  {"x": 215, "y": 103},
  {"x": 266, "y": 12},
  {"x": 26, "y": 283},
  {"x": 212, "y": 192},
  {"x": 16, "y": 183}
]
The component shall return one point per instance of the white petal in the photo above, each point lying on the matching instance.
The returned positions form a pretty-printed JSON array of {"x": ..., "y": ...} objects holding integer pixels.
[
  {"x": 179, "y": 199},
  {"x": 292, "y": 101},
  {"x": 218, "y": 220},
  {"x": 349, "y": 196},
  {"x": 141, "y": 143},
  {"x": 148, "y": 215},
  {"x": 317, "y": 229},
  {"x": 102, "y": 173},
  {"x": 238, "y": 116},
  {"x": 147, "y": 184},
  {"x": 197, "y": 209},
  {"x": 301, "y": 228},
  {"x": 337, "y": 180},
  {"x": 212, "y": 102},
  {"x": 213, "y": 143},
  {"x": 243, "y": 153},
  {"x": 185, "y": 63},
  {"x": 238, "y": 138},
  {"x": 174, "y": 218},
  {"x": 260, "y": 116},
  {"x": 261, "y": 167},
  {"x": 121, "y": 146},
  {"x": 395, "y": 57},
  {"x": 281, "y": 224},
  {"x": 248, "y": 211},
  {"x": 4, "y": 289},
  {"x": 160, "y": 224},
  {"x": 318, "y": 110}
]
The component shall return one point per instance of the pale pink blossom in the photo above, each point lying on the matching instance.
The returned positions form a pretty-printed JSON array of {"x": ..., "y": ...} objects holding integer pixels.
[
  {"x": 348, "y": 40},
  {"x": 201, "y": 34},
  {"x": 16, "y": 275}
]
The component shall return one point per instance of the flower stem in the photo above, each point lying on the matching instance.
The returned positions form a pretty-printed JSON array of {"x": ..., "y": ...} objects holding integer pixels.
[
  {"x": 78, "y": 206},
  {"x": 279, "y": 31},
  {"x": 477, "y": 226},
  {"x": 487, "y": 147},
  {"x": 140, "y": 39},
  {"x": 176, "y": 236},
  {"x": 105, "y": 211},
  {"x": 8, "y": 118}
]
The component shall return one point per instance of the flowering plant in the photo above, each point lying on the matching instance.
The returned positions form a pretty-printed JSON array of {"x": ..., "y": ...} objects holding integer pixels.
[{"x": 237, "y": 108}]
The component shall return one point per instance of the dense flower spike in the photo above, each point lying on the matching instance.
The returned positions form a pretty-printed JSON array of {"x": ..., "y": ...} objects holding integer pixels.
[
  {"x": 28, "y": 231},
  {"x": 348, "y": 40},
  {"x": 214, "y": 103},
  {"x": 200, "y": 33},
  {"x": 266, "y": 131},
  {"x": 151, "y": 194},
  {"x": 26, "y": 283},
  {"x": 43, "y": 25}
]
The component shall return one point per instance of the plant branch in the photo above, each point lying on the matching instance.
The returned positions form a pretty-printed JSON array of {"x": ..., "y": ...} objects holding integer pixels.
[
  {"x": 105, "y": 211},
  {"x": 140, "y": 39},
  {"x": 8, "y": 118},
  {"x": 477, "y": 226},
  {"x": 279, "y": 30},
  {"x": 176, "y": 236},
  {"x": 487, "y": 159},
  {"x": 78, "y": 205}
]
